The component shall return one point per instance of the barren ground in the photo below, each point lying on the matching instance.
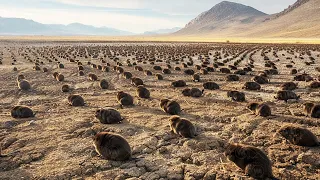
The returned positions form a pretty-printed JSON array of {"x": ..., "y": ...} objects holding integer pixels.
[{"x": 57, "y": 144}]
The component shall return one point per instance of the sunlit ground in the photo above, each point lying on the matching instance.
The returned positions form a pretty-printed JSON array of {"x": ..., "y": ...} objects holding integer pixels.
[{"x": 162, "y": 39}]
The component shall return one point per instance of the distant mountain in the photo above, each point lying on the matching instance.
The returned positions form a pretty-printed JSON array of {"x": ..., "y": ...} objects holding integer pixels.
[
  {"x": 225, "y": 15},
  {"x": 301, "y": 20},
  {"x": 162, "y": 31},
  {"x": 291, "y": 8},
  {"x": 20, "y": 26},
  {"x": 228, "y": 19}
]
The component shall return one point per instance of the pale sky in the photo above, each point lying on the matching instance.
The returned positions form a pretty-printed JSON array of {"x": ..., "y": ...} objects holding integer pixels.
[{"x": 135, "y": 16}]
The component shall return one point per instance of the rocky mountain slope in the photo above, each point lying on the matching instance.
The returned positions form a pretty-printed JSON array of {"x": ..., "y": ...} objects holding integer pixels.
[
  {"x": 227, "y": 19},
  {"x": 225, "y": 15}
]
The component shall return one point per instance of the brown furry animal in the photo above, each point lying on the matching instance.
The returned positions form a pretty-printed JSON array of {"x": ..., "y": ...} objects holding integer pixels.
[
  {"x": 260, "y": 80},
  {"x": 182, "y": 127},
  {"x": 170, "y": 107},
  {"x": 204, "y": 71},
  {"x": 260, "y": 109},
  {"x": 253, "y": 86},
  {"x": 193, "y": 92},
  {"x": 253, "y": 161},
  {"x": 124, "y": 99},
  {"x": 157, "y": 68},
  {"x": 127, "y": 75},
  {"x": 20, "y": 77},
  {"x": 298, "y": 136},
  {"x": 22, "y": 112},
  {"x": 93, "y": 77},
  {"x": 314, "y": 85},
  {"x": 210, "y": 85},
  {"x": 76, "y": 100},
  {"x": 303, "y": 77},
  {"x": 289, "y": 86},
  {"x": 24, "y": 85},
  {"x": 293, "y": 71},
  {"x": 225, "y": 70},
  {"x": 55, "y": 74},
  {"x": 81, "y": 73},
  {"x": 112, "y": 146},
  {"x": 60, "y": 77},
  {"x": 236, "y": 96},
  {"x": 136, "y": 81},
  {"x": 286, "y": 95},
  {"x": 232, "y": 77},
  {"x": 36, "y": 68},
  {"x": 159, "y": 76},
  {"x": 80, "y": 68},
  {"x": 148, "y": 73},
  {"x": 143, "y": 92},
  {"x": 189, "y": 72},
  {"x": 196, "y": 77},
  {"x": 138, "y": 68},
  {"x": 108, "y": 116},
  {"x": 104, "y": 84},
  {"x": 312, "y": 110},
  {"x": 166, "y": 71},
  {"x": 105, "y": 69},
  {"x": 119, "y": 70},
  {"x": 65, "y": 88},
  {"x": 179, "y": 83}
]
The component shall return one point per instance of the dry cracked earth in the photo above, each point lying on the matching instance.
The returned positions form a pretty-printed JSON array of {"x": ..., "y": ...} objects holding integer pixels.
[{"x": 57, "y": 143}]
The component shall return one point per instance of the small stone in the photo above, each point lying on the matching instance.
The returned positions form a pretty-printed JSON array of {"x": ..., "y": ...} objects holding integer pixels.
[
  {"x": 8, "y": 142},
  {"x": 150, "y": 176},
  {"x": 210, "y": 175},
  {"x": 162, "y": 172},
  {"x": 162, "y": 150},
  {"x": 138, "y": 149},
  {"x": 33, "y": 122},
  {"x": 311, "y": 158},
  {"x": 93, "y": 153},
  {"x": 147, "y": 150},
  {"x": 9, "y": 124},
  {"x": 127, "y": 165},
  {"x": 292, "y": 101},
  {"x": 175, "y": 173},
  {"x": 135, "y": 171}
]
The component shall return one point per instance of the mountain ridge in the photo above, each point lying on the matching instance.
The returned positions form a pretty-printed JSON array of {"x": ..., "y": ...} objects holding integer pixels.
[
  {"x": 162, "y": 31},
  {"x": 300, "y": 20},
  {"x": 22, "y": 26},
  {"x": 224, "y": 15}
]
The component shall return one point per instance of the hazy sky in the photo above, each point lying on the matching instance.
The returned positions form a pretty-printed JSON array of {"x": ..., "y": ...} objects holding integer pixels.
[{"x": 131, "y": 15}]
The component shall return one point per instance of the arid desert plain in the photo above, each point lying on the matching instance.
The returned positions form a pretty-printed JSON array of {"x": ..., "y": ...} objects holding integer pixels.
[{"x": 58, "y": 142}]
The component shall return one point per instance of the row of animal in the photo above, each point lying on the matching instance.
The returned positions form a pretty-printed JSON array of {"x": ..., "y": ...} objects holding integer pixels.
[
  {"x": 311, "y": 109},
  {"x": 253, "y": 161}
]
